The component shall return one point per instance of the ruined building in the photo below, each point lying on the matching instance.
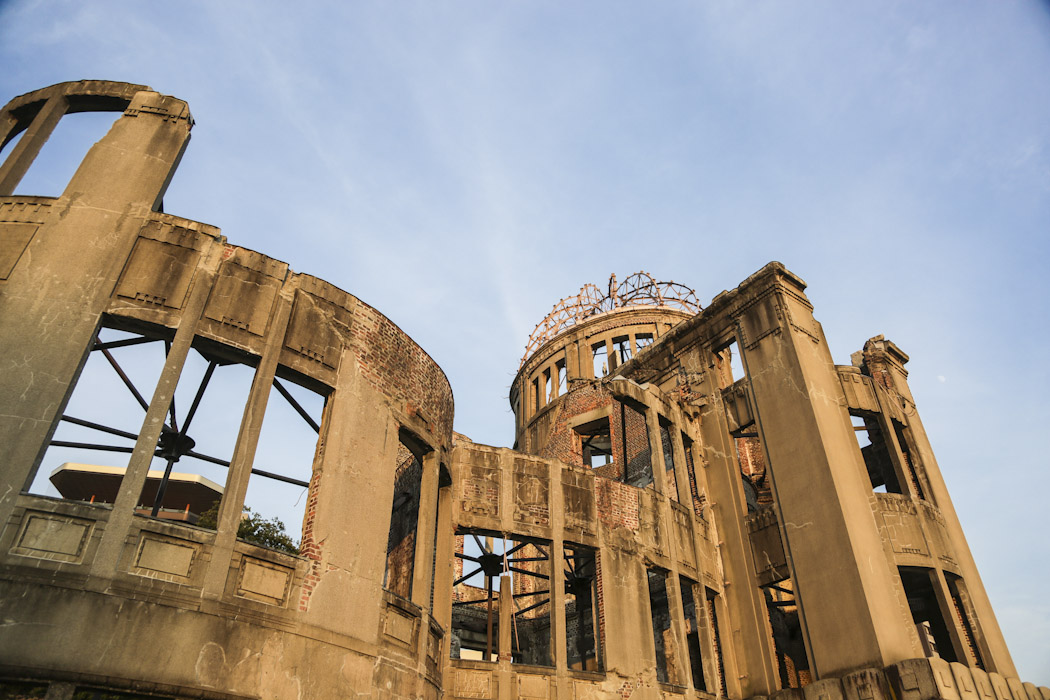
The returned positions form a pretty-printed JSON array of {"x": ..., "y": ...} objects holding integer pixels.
[{"x": 687, "y": 511}]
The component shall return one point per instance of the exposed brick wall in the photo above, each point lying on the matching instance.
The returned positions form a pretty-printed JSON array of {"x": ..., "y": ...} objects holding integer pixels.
[
  {"x": 699, "y": 498},
  {"x": 562, "y": 441},
  {"x": 404, "y": 519},
  {"x": 668, "y": 451},
  {"x": 397, "y": 367},
  {"x": 399, "y": 566},
  {"x": 635, "y": 450},
  {"x": 618, "y": 504},
  {"x": 753, "y": 466},
  {"x": 308, "y": 545}
]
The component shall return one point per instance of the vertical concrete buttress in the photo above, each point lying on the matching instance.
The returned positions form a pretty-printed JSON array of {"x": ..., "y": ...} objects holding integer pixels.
[{"x": 834, "y": 549}]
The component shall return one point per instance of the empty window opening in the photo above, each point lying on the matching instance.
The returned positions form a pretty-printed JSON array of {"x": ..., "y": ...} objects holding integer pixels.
[
  {"x": 563, "y": 376},
  {"x": 699, "y": 499},
  {"x": 663, "y": 635},
  {"x": 964, "y": 617},
  {"x": 96, "y": 433},
  {"x": 716, "y": 641},
  {"x": 622, "y": 347},
  {"x": 910, "y": 466},
  {"x": 926, "y": 612},
  {"x": 404, "y": 518},
  {"x": 8, "y": 147},
  {"x": 692, "y": 632},
  {"x": 595, "y": 443},
  {"x": 582, "y": 636},
  {"x": 635, "y": 447},
  {"x": 61, "y": 155},
  {"x": 643, "y": 341},
  {"x": 600, "y": 359},
  {"x": 284, "y": 458},
  {"x": 105, "y": 414},
  {"x": 547, "y": 395},
  {"x": 786, "y": 630},
  {"x": 752, "y": 459},
  {"x": 667, "y": 445},
  {"x": 200, "y": 434},
  {"x": 537, "y": 402},
  {"x": 876, "y": 456},
  {"x": 482, "y": 559},
  {"x": 730, "y": 364}
]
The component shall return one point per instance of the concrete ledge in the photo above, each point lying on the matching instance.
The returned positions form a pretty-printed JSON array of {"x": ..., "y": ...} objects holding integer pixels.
[{"x": 866, "y": 684}]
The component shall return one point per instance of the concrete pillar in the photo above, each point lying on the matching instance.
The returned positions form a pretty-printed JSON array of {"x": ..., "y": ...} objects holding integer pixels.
[
  {"x": 586, "y": 359},
  {"x": 232, "y": 505},
  {"x": 28, "y": 147},
  {"x": 446, "y": 545},
  {"x": 750, "y": 669},
  {"x": 506, "y": 607},
  {"x": 820, "y": 487},
  {"x": 426, "y": 522},
  {"x": 572, "y": 362},
  {"x": 559, "y": 652}
]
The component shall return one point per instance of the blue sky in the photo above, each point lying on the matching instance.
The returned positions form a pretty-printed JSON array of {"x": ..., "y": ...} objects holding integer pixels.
[{"x": 462, "y": 166}]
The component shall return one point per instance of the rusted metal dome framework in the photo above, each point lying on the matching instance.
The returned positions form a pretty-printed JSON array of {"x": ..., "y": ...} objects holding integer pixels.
[{"x": 639, "y": 289}]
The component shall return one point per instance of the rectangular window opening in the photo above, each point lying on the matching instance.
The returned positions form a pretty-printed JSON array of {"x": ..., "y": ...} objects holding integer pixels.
[
  {"x": 663, "y": 635},
  {"x": 582, "y": 635},
  {"x": 635, "y": 446},
  {"x": 786, "y": 629},
  {"x": 404, "y": 517},
  {"x": 278, "y": 488},
  {"x": 730, "y": 364},
  {"x": 965, "y": 617},
  {"x": 876, "y": 455},
  {"x": 600, "y": 359},
  {"x": 699, "y": 499},
  {"x": 595, "y": 443},
  {"x": 716, "y": 641},
  {"x": 563, "y": 377},
  {"x": 62, "y": 153},
  {"x": 95, "y": 437},
  {"x": 926, "y": 612},
  {"x": 547, "y": 390},
  {"x": 692, "y": 633},
  {"x": 622, "y": 347},
  {"x": 643, "y": 340},
  {"x": 482, "y": 560},
  {"x": 910, "y": 466},
  {"x": 667, "y": 446}
]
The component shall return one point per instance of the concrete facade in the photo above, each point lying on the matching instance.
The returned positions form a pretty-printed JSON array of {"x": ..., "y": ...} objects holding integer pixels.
[{"x": 665, "y": 526}]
